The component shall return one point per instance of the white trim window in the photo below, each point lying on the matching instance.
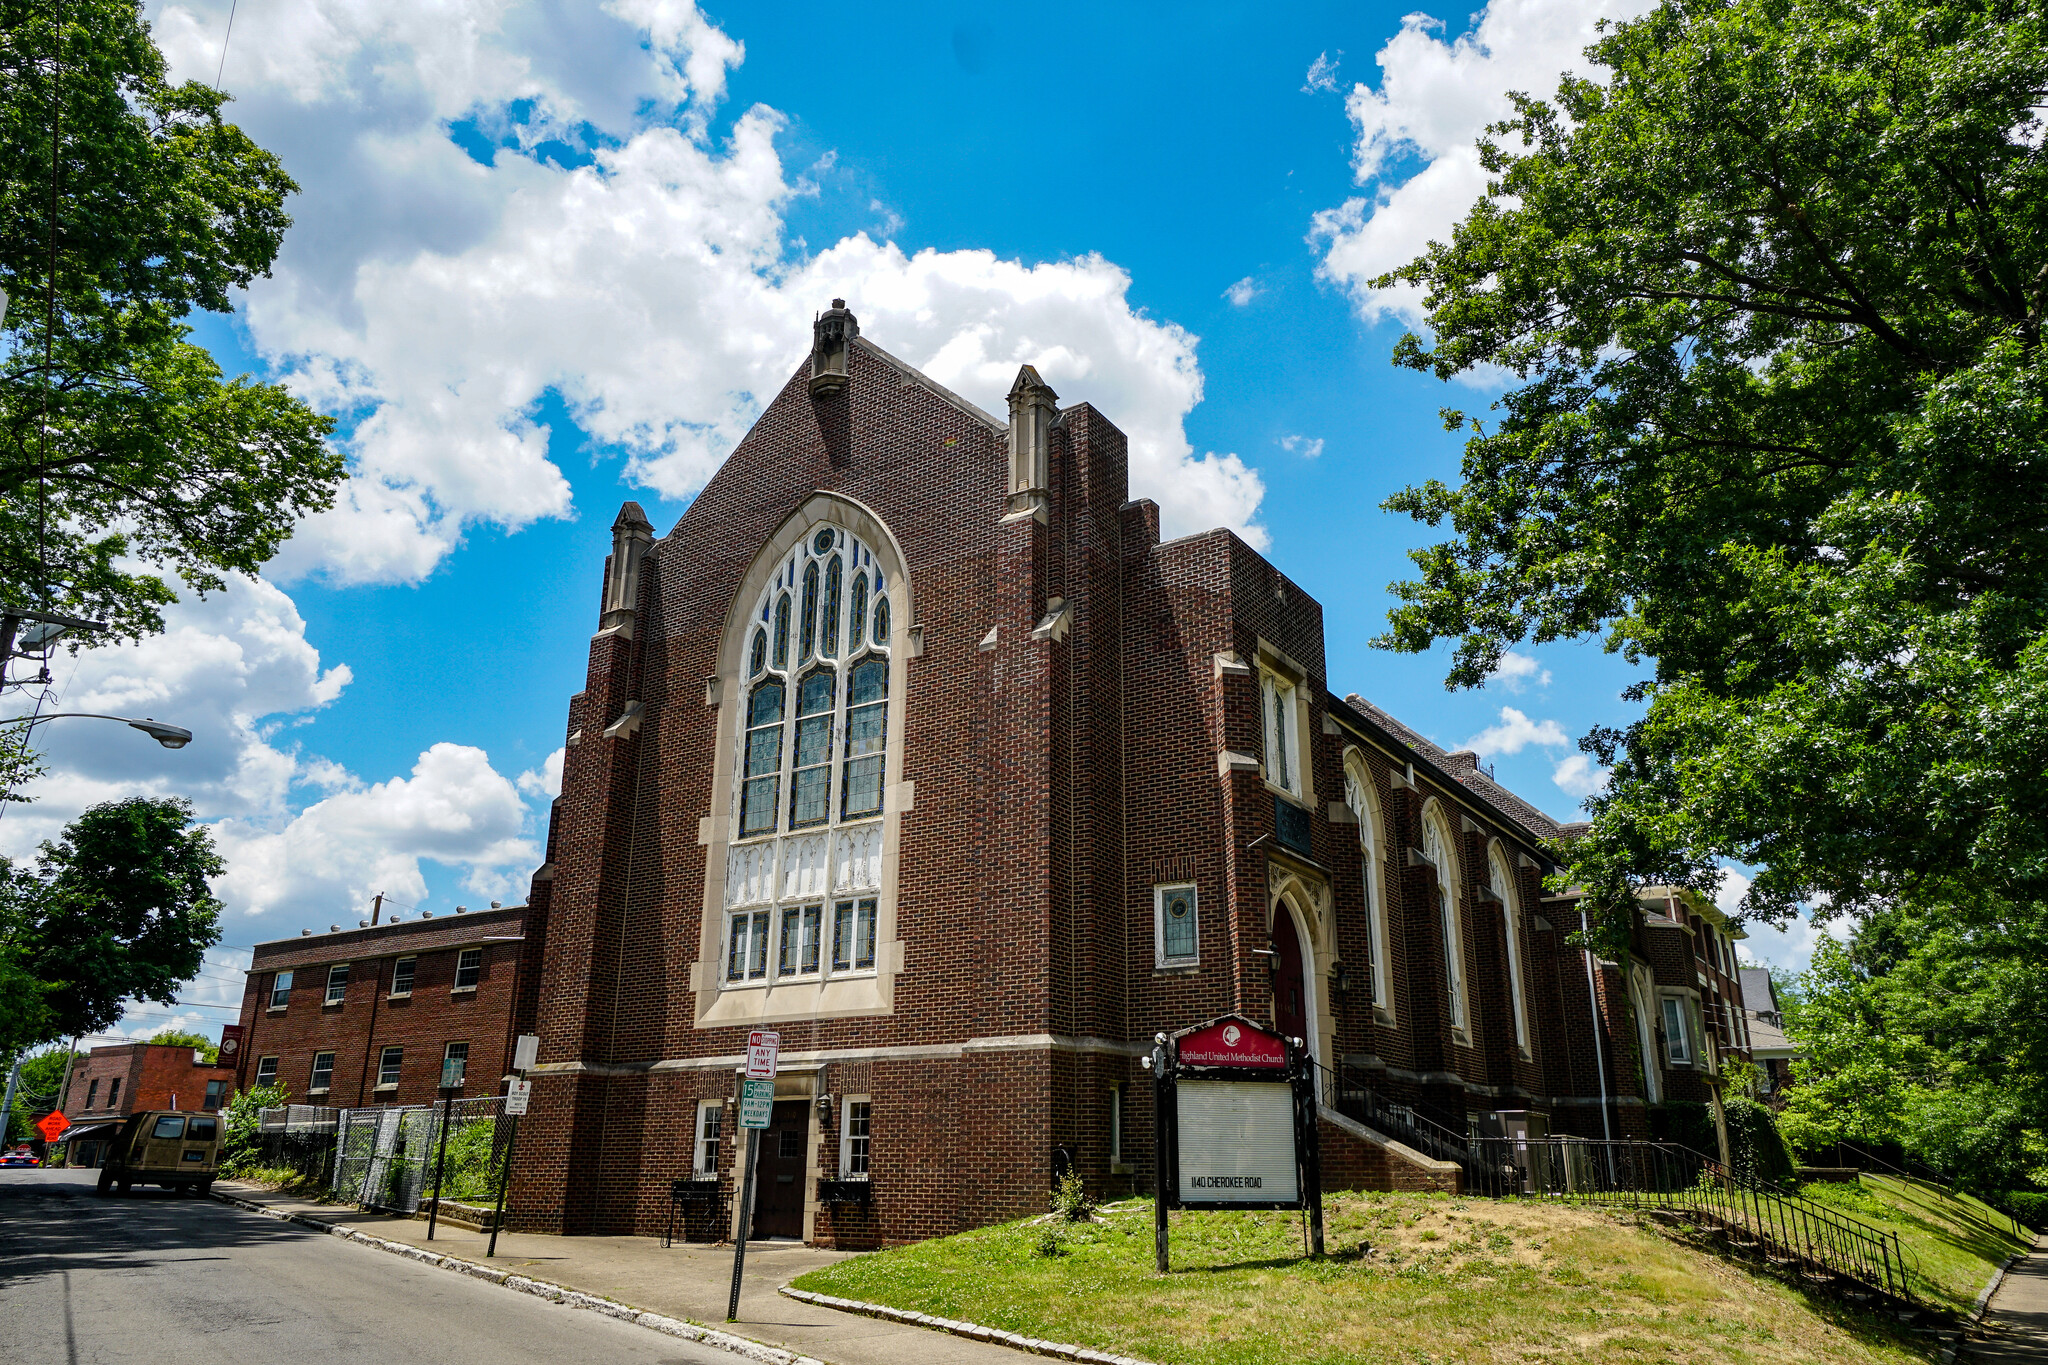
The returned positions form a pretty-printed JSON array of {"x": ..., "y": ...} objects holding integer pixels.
[
  {"x": 322, "y": 1078},
  {"x": 469, "y": 968},
  {"x": 1502, "y": 879},
  {"x": 389, "y": 1063},
  {"x": 813, "y": 748},
  {"x": 1436, "y": 850},
  {"x": 456, "y": 1052},
  {"x": 280, "y": 990},
  {"x": 266, "y": 1074},
  {"x": 854, "y": 1137},
  {"x": 337, "y": 983},
  {"x": 1176, "y": 936},
  {"x": 1365, "y": 809},
  {"x": 1678, "y": 1042},
  {"x": 710, "y": 1133},
  {"x": 1282, "y": 738},
  {"x": 401, "y": 976}
]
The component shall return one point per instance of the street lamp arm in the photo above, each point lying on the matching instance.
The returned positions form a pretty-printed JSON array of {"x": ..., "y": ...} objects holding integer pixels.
[{"x": 170, "y": 736}]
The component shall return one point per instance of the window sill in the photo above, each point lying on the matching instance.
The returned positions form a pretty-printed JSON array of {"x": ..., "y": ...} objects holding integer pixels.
[
  {"x": 1383, "y": 1017},
  {"x": 399, "y": 995},
  {"x": 321, "y": 1091},
  {"x": 382, "y": 1088},
  {"x": 1461, "y": 1038},
  {"x": 1176, "y": 968},
  {"x": 1292, "y": 798},
  {"x": 276, "y": 1009},
  {"x": 462, "y": 990},
  {"x": 332, "y": 1004},
  {"x": 1121, "y": 1168}
]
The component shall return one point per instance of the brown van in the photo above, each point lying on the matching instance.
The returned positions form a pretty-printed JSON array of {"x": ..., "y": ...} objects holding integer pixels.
[{"x": 163, "y": 1147}]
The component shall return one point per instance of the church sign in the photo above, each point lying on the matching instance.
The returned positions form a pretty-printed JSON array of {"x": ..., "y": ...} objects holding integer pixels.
[{"x": 1235, "y": 1108}]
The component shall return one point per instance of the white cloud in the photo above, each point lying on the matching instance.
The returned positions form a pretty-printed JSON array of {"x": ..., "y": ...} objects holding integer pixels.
[
  {"x": 1516, "y": 671},
  {"x": 1434, "y": 100},
  {"x": 1322, "y": 74},
  {"x": 546, "y": 780},
  {"x": 1579, "y": 776},
  {"x": 1514, "y": 733},
  {"x": 1243, "y": 292},
  {"x": 435, "y": 301},
  {"x": 1308, "y": 447}
]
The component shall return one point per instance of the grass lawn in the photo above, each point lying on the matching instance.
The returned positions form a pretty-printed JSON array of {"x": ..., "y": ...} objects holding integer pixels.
[
  {"x": 1952, "y": 1242},
  {"x": 1411, "y": 1278}
]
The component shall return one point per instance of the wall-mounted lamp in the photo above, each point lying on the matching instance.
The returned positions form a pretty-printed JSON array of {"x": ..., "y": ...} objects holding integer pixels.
[
  {"x": 824, "y": 1111},
  {"x": 1340, "y": 980},
  {"x": 1272, "y": 956}
]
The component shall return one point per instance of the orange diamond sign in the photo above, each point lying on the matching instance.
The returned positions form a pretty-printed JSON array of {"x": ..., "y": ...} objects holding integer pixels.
[{"x": 52, "y": 1125}]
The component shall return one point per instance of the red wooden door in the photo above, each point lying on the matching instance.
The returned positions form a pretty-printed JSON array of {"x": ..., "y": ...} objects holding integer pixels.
[{"x": 1290, "y": 986}]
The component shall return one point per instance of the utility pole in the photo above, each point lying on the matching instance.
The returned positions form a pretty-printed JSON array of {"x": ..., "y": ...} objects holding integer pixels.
[{"x": 7, "y": 1104}]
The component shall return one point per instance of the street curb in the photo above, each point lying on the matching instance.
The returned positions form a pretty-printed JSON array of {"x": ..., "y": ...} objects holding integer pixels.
[
  {"x": 1948, "y": 1352},
  {"x": 973, "y": 1331},
  {"x": 555, "y": 1293}
]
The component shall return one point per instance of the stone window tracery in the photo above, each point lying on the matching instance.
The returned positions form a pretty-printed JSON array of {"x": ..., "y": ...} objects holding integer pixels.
[{"x": 804, "y": 870}]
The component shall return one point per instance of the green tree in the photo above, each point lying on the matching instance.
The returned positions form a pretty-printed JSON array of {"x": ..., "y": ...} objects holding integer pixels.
[
  {"x": 116, "y": 908},
  {"x": 1770, "y": 296},
  {"x": 206, "y": 1047},
  {"x": 36, "y": 1093},
  {"x": 125, "y": 202}
]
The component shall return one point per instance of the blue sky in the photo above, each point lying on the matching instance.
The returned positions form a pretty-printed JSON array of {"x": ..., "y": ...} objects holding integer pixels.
[{"x": 548, "y": 257}]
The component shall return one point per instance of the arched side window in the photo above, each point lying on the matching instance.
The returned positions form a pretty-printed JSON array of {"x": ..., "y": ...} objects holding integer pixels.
[
  {"x": 1365, "y": 808},
  {"x": 1436, "y": 848},
  {"x": 1501, "y": 877},
  {"x": 804, "y": 870}
]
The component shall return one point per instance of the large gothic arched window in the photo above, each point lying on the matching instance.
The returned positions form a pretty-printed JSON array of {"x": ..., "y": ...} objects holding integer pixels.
[
  {"x": 1365, "y": 809},
  {"x": 1501, "y": 877},
  {"x": 804, "y": 867},
  {"x": 1437, "y": 850}
]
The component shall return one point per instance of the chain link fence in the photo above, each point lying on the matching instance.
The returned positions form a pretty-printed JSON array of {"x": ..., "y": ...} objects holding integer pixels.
[{"x": 386, "y": 1158}]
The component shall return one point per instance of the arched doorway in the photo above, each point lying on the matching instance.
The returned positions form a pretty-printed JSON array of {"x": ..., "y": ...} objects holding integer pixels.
[{"x": 1290, "y": 980}]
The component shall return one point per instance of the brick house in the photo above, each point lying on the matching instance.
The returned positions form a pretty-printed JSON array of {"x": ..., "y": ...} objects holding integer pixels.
[
  {"x": 366, "y": 1016},
  {"x": 112, "y": 1082},
  {"x": 914, "y": 741}
]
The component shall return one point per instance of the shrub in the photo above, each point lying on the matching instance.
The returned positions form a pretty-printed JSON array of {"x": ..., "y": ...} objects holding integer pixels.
[
  {"x": 1754, "y": 1146},
  {"x": 242, "y": 1127},
  {"x": 2029, "y": 1206},
  {"x": 1070, "y": 1199}
]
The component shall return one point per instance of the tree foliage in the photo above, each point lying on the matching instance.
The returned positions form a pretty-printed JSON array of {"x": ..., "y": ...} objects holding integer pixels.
[
  {"x": 1771, "y": 295},
  {"x": 116, "y": 908},
  {"x": 125, "y": 202},
  {"x": 198, "y": 1042},
  {"x": 42, "y": 1076}
]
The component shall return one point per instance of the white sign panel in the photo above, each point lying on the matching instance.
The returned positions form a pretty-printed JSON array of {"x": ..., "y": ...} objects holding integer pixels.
[
  {"x": 761, "y": 1049},
  {"x": 1237, "y": 1142},
  {"x": 517, "y": 1096}
]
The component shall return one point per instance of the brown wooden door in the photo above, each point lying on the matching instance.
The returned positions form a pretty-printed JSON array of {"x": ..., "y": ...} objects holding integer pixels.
[
  {"x": 779, "y": 1175},
  {"x": 1290, "y": 989}
]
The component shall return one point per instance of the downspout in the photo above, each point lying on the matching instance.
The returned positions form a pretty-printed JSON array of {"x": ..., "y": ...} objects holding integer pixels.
[
  {"x": 1593, "y": 1005},
  {"x": 376, "y": 996}
]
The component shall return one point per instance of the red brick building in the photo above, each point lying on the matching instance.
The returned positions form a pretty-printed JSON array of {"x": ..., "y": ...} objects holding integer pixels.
[
  {"x": 110, "y": 1083},
  {"x": 914, "y": 741},
  {"x": 366, "y": 1016}
]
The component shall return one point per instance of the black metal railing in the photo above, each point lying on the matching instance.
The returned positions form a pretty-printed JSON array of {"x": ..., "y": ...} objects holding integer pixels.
[{"x": 1793, "y": 1234}]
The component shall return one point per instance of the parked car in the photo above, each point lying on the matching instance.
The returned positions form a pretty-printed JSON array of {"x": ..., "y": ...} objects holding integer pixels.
[
  {"x": 20, "y": 1156},
  {"x": 163, "y": 1147}
]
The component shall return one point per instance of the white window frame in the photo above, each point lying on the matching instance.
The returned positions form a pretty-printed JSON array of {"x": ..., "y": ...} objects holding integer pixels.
[
  {"x": 266, "y": 1074},
  {"x": 1160, "y": 959},
  {"x": 313, "y": 1086},
  {"x": 1671, "y": 1005},
  {"x": 384, "y": 1064},
  {"x": 709, "y": 1113},
  {"x": 1280, "y": 728},
  {"x": 280, "y": 985},
  {"x": 334, "y": 997},
  {"x": 412, "y": 966},
  {"x": 846, "y": 1137},
  {"x": 471, "y": 960},
  {"x": 1365, "y": 808},
  {"x": 1440, "y": 853},
  {"x": 1502, "y": 874}
]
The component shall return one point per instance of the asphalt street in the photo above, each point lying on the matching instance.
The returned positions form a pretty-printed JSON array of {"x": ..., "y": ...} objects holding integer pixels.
[{"x": 157, "y": 1277}]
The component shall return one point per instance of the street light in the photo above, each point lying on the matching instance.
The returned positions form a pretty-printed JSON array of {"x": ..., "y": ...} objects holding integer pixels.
[{"x": 170, "y": 736}]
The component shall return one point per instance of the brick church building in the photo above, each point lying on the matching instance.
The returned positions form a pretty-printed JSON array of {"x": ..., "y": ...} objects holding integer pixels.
[{"x": 914, "y": 741}]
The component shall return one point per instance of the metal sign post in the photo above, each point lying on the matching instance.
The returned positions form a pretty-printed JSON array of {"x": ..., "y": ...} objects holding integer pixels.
[
  {"x": 525, "y": 1052},
  {"x": 451, "y": 1081},
  {"x": 757, "y": 1103}
]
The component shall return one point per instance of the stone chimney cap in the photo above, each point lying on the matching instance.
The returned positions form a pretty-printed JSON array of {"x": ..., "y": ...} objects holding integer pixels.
[{"x": 631, "y": 515}]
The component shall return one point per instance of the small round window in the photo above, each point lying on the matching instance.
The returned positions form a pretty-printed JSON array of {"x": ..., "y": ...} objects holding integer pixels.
[{"x": 823, "y": 543}]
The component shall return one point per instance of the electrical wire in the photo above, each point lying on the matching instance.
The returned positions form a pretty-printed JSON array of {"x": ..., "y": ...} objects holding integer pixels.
[{"x": 225, "y": 38}]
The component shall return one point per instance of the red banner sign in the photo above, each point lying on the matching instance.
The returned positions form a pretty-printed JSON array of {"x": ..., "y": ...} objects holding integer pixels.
[
  {"x": 230, "y": 1044},
  {"x": 1230, "y": 1044}
]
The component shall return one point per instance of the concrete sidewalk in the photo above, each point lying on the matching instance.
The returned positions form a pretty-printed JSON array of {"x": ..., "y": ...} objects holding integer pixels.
[
  {"x": 689, "y": 1281},
  {"x": 2016, "y": 1323}
]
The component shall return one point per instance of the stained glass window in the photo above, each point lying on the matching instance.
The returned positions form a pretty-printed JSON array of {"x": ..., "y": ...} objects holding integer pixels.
[
  {"x": 857, "y": 613},
  {"x": 811, "y": 779},
  {"x": 853, "y": 935},
  {"x": 867, "y": 708},
  {"x": 759, "y": 660},
  {"x": 828, "y": 629},
  {"x": 882, "y": 622},
  {"x": 807, "y": 624},
  {"x": 782, "y": 631},
  {"x": 764, "y": 759}
]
